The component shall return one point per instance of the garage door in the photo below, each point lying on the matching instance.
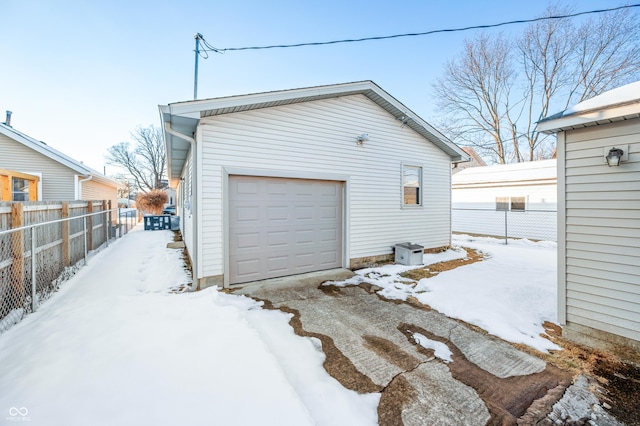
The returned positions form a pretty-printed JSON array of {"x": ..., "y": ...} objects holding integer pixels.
[{"x": 280, "y": 227}]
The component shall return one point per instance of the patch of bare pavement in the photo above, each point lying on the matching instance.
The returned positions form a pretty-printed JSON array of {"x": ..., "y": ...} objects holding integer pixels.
[{"x": 371, "y": 346}]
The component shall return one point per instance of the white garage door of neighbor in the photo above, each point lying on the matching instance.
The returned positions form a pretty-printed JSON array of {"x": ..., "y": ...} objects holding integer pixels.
[{"x": 280, "y": 227}]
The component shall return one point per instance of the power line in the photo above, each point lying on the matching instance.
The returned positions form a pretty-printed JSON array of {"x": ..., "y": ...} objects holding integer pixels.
[{"x": 450, "y": 30}]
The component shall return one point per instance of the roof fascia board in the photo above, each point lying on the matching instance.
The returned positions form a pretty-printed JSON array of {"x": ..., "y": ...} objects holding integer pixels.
[
  {"x": 191, "y": 107},
  {"x": 586, "y": 118}
]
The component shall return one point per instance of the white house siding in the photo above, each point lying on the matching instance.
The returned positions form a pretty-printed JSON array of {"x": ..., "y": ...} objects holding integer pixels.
[
  {"x": 184, "y": 206},
  {"x": 320, "y": 137},
  {"x": 474, "y": 210},
  {"x": 57, "y": 179},
  {"x": 602, "y": 230},
  {"x": 474, "y": 193}
]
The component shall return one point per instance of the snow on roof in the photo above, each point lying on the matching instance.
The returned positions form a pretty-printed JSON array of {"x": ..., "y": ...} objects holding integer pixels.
[
  {"x": 622, "y": 103},
  {"x": 620, "y": 95},
  {"x": 514, "y": 172}
]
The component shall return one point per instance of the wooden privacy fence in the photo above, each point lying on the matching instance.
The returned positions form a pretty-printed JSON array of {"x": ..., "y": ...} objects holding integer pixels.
[{"x": 41, "y": 242}]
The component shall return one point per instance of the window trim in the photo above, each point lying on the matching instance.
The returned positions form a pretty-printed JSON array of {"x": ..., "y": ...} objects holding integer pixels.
[
  {"x": 509, "y": 204},
  {"x": 420, "y": 203}
]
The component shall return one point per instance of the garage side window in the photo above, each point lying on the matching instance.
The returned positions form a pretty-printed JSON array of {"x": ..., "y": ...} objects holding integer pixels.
[{"x": 411, "y": 185}]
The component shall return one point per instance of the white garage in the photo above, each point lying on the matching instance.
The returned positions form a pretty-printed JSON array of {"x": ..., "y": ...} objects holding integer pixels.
[
  {"x": 295, "y": 181},
  {"x": 280, "y": 227}
]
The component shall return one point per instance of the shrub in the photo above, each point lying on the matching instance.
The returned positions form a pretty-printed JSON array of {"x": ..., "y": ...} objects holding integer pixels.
[{"x": 152, "y": 202}]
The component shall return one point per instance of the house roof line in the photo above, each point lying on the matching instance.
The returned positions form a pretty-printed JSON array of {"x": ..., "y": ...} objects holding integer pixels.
[
  {"x": 54, "y": 154},
  {"x": 618, "y": 104},
  {"x": 197, "y": 109}
]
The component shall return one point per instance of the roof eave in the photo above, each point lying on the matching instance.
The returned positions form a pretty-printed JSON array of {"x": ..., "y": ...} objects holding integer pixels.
[
  {"x": 194, "y": 110},
  {"x": 589, "y": 118}
]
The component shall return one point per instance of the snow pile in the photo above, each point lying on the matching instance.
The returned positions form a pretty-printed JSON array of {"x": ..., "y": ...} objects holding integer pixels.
[
  {"x": 114, "y": 346},
  {"x": 440, "y": 350},
  {"x": 510, "y": 294}
]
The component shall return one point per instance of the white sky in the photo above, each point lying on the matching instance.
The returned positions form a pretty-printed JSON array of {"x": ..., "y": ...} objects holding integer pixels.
[{"x": 81, "y": 75}]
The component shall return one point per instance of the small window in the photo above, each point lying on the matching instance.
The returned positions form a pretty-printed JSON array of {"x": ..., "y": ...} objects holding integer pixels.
[
  {"x": 514, "y": 204},
  {"x": 502, "y": 203},
  {"x": 20, "y": 189},
  {"x": 517, "y": 204},
  {"x": 411, "y": 185}
]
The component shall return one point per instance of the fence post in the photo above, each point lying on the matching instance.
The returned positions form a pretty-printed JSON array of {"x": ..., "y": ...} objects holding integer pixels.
[
  {"x": 89, "y": 225},
  {"x": 84, "y": 223},
  {"x": 506, "y": 233},
  {"x": 66, "y": 256},
  {"x": 34, "y": 275},
  {"x": 17, "y": 254},
  {"x": 105, "y": 222}
]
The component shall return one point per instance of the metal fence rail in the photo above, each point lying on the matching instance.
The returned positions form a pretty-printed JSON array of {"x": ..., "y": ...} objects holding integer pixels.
[
  {"x": 530, "y": 224},
  {"x": 36, "y": 258}
]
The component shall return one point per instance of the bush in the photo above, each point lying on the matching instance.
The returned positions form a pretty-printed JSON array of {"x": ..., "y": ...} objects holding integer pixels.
[{"x": 152, "y": 202}]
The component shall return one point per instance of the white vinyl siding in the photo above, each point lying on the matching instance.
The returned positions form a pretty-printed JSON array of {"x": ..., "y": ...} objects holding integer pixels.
[
  {"x": 184, "y": 205},
  {"x": 320, "y": 137},
  {"x": 602, "y": 212},
  {"x": 57, "y": 180}
]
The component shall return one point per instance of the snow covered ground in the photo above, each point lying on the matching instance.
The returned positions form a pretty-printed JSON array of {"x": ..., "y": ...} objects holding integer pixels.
[
  {"x": 510, "y": 294},
  {"x": 115, "y": 346}
]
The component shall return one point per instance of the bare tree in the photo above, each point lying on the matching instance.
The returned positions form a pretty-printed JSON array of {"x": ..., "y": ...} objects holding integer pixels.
[
  {"x": 550, "y": 66},
  {"x": 145, "y": 161},
  {"x": 473, "y": 92},
  {"x": 566, "y": 64}
]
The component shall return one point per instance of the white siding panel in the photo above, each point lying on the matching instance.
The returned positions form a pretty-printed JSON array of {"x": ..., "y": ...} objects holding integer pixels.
[
  {"x": 603, "y": 230},
  {"x": 320, "y": 137}
]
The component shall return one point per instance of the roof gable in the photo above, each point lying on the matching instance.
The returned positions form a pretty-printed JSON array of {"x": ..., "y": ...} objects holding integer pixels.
[
  {"x": 54, "y": 154},
  {"x": 183, "y": 117}
]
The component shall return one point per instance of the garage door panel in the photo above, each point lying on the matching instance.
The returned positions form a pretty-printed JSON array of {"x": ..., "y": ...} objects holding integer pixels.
[{"x": 282, "y": 227}]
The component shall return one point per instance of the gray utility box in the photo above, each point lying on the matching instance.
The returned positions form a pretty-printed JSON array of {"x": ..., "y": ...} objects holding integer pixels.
[{"x": 409, "y": 254}]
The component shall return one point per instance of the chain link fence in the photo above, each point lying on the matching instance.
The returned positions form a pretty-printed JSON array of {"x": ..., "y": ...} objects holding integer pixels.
[
  {"x": 540, "y": 225},
  {"x": 35, "y": 259}
]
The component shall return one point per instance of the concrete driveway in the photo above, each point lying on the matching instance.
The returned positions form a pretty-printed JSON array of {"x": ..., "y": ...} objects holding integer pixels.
[{"x": 371, "y": 346}]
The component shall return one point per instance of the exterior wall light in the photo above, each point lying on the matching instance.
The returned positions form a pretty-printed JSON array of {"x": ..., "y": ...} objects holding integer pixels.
[
  {"x": 362, "y": 139},
  {"x": 614, "y": 156}
]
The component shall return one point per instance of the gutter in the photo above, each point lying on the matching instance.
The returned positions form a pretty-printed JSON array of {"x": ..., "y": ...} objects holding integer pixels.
[
  {"x": 80, "y": 182},
  {"x": 194, "y": 203}
]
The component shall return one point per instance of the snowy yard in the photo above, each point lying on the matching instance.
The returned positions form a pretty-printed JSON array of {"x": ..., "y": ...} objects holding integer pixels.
[
  {"x": 509, "y": 294},
  {"x": 115, "y": 346}
]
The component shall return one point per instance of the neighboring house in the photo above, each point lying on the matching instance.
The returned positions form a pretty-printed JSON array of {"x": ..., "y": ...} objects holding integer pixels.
[
  {"x": 287, "y": 182},
  {"x": 31, "y": 170},
  {"x": 599, "y": 219},
  {"x": 474, "y": 160},
  {"x": 523, "y": 193}
]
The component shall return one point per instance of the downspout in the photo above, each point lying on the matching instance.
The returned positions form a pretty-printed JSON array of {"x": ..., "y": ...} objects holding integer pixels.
[
  {"x": 194, "y": 202},
  {"x": 79, "y": 195}
]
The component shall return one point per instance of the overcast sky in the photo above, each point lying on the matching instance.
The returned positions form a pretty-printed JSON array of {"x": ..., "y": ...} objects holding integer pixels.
[{"x": 80, "y": 75}]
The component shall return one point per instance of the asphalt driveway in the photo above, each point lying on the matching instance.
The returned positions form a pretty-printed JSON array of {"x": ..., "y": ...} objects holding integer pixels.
[{"x": 371, "y": 345}]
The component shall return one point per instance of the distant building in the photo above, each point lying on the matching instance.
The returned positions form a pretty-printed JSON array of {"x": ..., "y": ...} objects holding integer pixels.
[
  {"x": 526, "y": 192},
  {"x": 30, "y": 170},
  {"x": 476, "y": 160}
]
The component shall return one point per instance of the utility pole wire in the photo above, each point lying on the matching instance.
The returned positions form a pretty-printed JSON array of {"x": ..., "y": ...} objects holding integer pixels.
[{"x": 210, "y": 48}]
